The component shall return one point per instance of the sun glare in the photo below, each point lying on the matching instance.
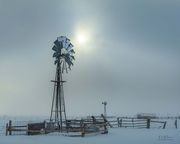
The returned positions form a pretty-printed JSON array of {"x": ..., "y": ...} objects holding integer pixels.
[{"x": 81, "y": 38}]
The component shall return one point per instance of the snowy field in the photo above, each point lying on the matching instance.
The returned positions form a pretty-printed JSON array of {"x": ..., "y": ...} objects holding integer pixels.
[
  {"x": 169, "y": 135},
  {"x": 115, "y": 136}
]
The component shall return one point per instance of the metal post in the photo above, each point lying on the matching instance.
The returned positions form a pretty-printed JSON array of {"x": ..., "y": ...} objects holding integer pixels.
[{"x": 104, "y": 103}]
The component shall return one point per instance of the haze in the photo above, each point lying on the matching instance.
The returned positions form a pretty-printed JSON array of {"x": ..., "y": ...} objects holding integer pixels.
[{"x": 131, "y": 59}]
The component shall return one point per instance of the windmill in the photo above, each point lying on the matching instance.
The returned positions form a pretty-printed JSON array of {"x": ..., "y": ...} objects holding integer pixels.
[{"x": 63, "y": 54}]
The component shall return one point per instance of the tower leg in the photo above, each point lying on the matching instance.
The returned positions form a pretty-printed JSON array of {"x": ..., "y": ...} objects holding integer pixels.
[{"x": 58, "y": 113}]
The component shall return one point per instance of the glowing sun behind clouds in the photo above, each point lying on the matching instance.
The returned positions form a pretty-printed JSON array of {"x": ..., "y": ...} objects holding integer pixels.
[{"x": 82, "y": 36}]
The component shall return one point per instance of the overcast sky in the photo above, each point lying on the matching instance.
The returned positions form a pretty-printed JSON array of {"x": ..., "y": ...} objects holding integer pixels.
[{"x": 130, "y": 59}]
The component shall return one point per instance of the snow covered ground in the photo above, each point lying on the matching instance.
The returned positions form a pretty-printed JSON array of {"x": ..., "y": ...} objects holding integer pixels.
[
  {"x": 115, "y": 136},
  {"x": 170, "y": 135}
]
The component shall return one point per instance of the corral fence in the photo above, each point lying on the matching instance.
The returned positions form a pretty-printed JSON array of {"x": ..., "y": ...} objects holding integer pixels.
[
  {"x": 81, "y": 126},
  {"x": 123, "y": 122}
]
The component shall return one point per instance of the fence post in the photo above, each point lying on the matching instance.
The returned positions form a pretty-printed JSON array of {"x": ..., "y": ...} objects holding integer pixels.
[
  {"x": 7, "y": 129},
  {"x": 10, "y": 127},
  {"x": 82, "y": 128},
  {"x": 175, "y": 123},
  {"x": 148, "y": 123},
  {"x": 105, "y": 129},
  {"x": 118, "y": 123},
  {"x": 68, "y": 122},
  {"x": 94, "y": 119},
  {"x": 133, "y": 122},
  {"x": 27, "y": 132},
  {"x": 164, "y": 126}
]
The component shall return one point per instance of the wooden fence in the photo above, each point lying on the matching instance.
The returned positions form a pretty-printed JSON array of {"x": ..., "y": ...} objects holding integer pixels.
[
  {"x": 135, "y": 123},
  {"x": 98, "y": 124},
  {"x": 83, "y": 126}
]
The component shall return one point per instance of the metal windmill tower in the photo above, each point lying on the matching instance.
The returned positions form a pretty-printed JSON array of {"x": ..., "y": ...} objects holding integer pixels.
[{"x": 63, "y": 54}]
